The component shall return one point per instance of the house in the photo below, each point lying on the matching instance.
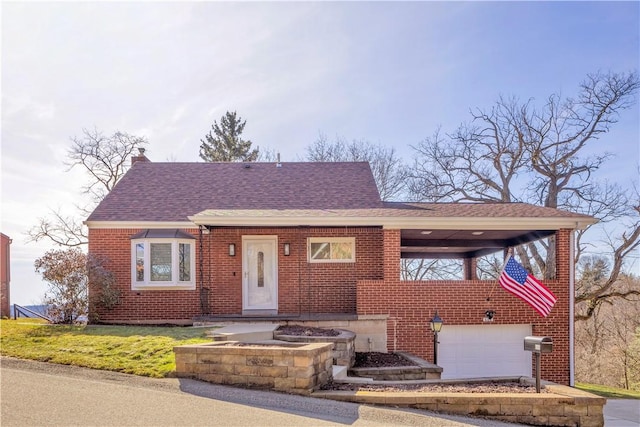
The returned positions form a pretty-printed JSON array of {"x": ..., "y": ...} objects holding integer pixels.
[
  {"x": 5, "y": 275},
  {"x": 313, "y": 242}
]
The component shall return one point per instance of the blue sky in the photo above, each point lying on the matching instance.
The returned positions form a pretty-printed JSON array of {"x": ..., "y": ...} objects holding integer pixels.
[{"x": 387, "y": 72}]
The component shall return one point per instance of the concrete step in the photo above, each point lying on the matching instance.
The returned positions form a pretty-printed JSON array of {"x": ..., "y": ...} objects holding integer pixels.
[
  {"x": 339, "y": 372},
  {"x": 247, "y": 332},
  {"x": 341, "y": 375}
]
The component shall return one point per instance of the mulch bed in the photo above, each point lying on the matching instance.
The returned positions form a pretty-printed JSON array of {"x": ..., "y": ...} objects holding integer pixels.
[
  {"x": 307, "y": 331},
  {"x": 488, "y": 387},
  {"x": 380, "y": 360}
]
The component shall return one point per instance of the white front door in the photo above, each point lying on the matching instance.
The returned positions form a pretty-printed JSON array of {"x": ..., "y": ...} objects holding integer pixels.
[{"x": 260, "y": 274}]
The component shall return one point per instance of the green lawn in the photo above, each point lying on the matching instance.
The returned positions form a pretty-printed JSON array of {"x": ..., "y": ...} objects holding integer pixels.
[
  {"x": 138, "y": 350},
  {"x": 608, "y": 392}
]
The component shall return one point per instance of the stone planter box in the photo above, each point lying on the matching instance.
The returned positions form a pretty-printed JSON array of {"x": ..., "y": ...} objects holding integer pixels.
[
  {"x": 343, "y": 350},
  {"x": 289, "y": 367},
  {"x": 562, "y": 406},
  {"x": 421, "y": 370}
]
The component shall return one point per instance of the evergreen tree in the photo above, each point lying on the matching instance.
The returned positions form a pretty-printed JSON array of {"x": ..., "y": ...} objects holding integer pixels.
[{"x": 224, "y": 142}]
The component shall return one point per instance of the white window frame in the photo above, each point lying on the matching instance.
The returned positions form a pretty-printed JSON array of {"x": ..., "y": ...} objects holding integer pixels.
[
  {"x": 174, "y": 283},
  {"x": 330, "y": 240}
]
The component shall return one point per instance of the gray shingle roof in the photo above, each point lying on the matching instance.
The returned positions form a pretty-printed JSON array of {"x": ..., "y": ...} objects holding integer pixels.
[{"x": 173, "y": 191}]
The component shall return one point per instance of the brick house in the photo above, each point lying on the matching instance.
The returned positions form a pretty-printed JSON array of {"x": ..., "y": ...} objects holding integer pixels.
[{"x": 313, "y": 243}]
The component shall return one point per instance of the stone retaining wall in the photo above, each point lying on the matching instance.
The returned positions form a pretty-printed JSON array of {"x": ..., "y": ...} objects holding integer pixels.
[
  {"x": 287, "y": 367},
  {"x": 371, "y": 330},
  {"x": 562, "y": 406},
  {"x": 421, "y": 370},
  {"x": 344, "y": 350}
]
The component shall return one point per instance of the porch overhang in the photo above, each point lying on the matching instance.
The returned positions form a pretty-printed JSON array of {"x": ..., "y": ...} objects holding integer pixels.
[{"x": 425, "y": 232}]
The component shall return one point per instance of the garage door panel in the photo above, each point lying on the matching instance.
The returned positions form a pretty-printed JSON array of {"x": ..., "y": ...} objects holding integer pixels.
[{"x": 472, "y": 351}]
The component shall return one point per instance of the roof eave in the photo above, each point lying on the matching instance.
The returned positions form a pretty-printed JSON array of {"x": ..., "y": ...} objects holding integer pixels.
[
  {"x": 462, "y": 223},
  {"x": 94, "y": 225}
]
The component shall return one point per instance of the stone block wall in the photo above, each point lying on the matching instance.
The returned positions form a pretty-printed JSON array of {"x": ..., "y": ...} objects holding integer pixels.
[
  {"x": 561, "y": 406},
  {"x": 288, "y": 367},
  {"x": 343, "y": 352},
  {"x": 370, "y": 331}
]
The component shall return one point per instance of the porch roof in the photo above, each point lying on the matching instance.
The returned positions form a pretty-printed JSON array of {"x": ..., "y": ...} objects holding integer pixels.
[{"x": 428, "y": 230}]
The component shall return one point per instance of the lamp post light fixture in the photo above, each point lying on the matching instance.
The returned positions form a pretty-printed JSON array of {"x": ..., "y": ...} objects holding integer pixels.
[{"x": 436, "y": 326}]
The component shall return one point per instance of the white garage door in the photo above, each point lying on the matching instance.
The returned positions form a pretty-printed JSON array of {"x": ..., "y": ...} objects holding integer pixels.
[{"x": 473, "y": 351}]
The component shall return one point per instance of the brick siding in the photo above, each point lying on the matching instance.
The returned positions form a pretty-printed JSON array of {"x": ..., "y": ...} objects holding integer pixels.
[
  {"x": 302, "y": 287},
  {"x": 370, "y": 286},
  {"x": 463, "y": 302}
]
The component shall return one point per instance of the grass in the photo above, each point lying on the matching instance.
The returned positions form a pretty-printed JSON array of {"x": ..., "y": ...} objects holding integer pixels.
[
  {"x": 608, "y": 392},
  {"x": 138, "y": 350}
]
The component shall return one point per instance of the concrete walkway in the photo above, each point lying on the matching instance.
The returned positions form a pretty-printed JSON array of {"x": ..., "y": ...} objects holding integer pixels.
[{"x": 246, "y": 332}]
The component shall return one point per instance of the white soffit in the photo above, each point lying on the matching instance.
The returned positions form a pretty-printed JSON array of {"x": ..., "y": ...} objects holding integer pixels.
[{"x": 264, "y": 218}]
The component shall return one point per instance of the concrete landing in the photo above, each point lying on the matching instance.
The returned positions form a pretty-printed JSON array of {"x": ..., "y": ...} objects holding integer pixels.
[{"x": 245, "y": 332}]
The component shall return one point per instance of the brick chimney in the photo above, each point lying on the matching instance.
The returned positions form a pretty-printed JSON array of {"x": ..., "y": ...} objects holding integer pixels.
[{"x": 140, "y": 157}]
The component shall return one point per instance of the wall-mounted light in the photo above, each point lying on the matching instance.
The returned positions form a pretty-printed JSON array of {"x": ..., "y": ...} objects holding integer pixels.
[
  {"x": 287, "y": 249},
  {"x": 232, "y": 249},
  {"x": 488, "y": 316}
]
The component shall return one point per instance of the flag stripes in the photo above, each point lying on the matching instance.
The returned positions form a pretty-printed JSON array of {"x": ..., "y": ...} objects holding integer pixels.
[{"x": 515, "y": 279}]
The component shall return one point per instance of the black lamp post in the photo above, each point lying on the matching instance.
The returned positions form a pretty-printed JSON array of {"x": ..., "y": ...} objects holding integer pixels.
[{"x": 436, "y": 326}]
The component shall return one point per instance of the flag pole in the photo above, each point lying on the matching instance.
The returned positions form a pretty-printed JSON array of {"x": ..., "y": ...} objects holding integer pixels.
[{"x": 508, "y": 251}]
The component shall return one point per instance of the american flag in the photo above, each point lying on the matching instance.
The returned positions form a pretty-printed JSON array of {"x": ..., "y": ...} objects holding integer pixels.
[{"x": 515, "y": 279}]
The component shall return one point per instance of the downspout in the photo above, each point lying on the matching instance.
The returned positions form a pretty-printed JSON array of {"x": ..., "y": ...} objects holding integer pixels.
[
  {"x": 200, "y": 262},
  {"x": 204, "y": 295},
  {"x": 572, "y": 297}
]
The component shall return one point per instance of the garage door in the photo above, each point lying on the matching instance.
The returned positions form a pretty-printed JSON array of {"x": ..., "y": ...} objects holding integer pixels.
[{"x": 474, "y": 351}]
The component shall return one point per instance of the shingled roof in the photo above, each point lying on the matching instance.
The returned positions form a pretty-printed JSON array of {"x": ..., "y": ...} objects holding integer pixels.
[{"x": 174, "y": 191}]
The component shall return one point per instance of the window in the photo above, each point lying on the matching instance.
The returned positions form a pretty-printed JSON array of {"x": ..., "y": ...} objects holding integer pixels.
[
  {"x": 332, "y": 249},
  {"x": 162, "y": 263}
]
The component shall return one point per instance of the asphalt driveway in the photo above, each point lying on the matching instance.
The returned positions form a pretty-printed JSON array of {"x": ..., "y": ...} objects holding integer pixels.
[
  {"x": 35, "y": 393},
  {"x": 622, "y": 413},
  {"x": 41, "y": 394}
]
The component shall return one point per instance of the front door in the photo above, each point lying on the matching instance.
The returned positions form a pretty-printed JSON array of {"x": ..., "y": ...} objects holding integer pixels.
[{"x": 259, "y": 274}]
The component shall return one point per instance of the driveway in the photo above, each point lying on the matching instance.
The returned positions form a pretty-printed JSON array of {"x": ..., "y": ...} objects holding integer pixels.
[
  {"x": 41, "y": 394},
  {"x": 622, "y": 413}
]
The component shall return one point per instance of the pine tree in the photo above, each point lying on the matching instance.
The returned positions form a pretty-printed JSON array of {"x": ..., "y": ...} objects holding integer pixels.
[{"x": 224, "y": 143}]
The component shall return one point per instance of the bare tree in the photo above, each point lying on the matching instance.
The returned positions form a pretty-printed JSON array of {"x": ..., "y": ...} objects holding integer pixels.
[
  {"x": 598, "y": 277},
  {"x": 607, "y": 341},
  {"x": 430, "y": 269},
  {"x": 516, "y": 152},
  {"x": 62, "y": 230},
  {"x": 388, "y": 169},
  {"x": 105, "y": 159}
]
